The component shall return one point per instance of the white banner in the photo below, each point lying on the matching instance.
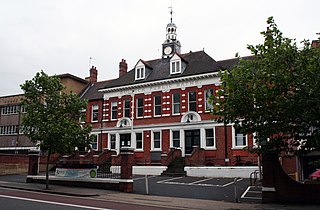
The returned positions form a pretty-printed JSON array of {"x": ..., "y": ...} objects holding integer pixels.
[{"x": 76, "y": 172}]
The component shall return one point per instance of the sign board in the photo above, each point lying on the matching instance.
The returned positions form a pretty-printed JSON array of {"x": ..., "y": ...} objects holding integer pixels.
[{"x": 76, "y": 172}]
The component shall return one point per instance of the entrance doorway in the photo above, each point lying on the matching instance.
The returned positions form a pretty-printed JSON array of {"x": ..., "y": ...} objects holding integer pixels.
[
  {"x": 192, "y": 138},
  {"x": 125, "y": 140}
]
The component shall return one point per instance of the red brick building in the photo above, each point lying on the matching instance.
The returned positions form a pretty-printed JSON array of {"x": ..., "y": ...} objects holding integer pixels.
[{"x": 163, "y": 104}]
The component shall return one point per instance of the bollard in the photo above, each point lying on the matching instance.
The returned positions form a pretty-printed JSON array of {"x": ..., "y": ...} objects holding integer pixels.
[
  {"x": 147, "y": 184},
  {"x": 235, "y": 190}
]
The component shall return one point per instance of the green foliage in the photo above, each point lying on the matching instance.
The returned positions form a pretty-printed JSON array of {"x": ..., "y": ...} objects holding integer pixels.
[
  {"x": 275, "y": 95},
  {"x": 52, "y": 118}
]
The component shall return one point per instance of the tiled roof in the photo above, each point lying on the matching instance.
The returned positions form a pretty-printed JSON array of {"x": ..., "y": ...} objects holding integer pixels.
[
  {"x": 197, "y": 63},
  {"x": 230, "y": 63},
  {"x": 91, "y": 92},
  {"x": 73, "y": 77}
]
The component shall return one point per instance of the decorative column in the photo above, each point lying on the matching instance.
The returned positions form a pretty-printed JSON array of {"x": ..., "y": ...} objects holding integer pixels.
[
  {"x": 33, "y": 164},
  {"x": 268, "y": 181},
  {"x": 126, "y": 163}
]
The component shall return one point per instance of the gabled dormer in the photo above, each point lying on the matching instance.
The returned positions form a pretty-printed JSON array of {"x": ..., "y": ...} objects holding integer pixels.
[
  {"x": 177, "y": 64},
  {"x": 142, "y": 70}
]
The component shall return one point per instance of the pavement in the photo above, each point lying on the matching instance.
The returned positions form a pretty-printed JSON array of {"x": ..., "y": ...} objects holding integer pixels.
[{"x": 147, "y": 200}]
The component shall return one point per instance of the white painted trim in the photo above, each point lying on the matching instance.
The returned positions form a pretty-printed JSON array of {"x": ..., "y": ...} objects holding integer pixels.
[
  {"x": 20, "y": 148},
  {"x": 175, "y": 59},
  {"x": 152, "y": 140},
  {"x": 140, "y": 66},
  {"x": 159, "y": 85},
  {"x": 234, "y": 147},
  {"x": 220, "y": 172},
  {"x": 134, "y": 141},
  {"x": 93, "y": 105},
  {"x": 171, "y": 138},
  {"x": 148, "y": 170}
]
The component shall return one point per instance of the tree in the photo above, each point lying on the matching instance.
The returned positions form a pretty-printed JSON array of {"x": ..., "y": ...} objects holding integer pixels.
[
  {"x": 52, "y": 118},
  {"x": 275, "y": 95}
]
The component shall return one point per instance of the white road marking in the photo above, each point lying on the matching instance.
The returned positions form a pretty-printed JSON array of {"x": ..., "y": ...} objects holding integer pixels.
[
  {"x": 230, "y": 183},
  {"x": 196, "y": 183},
  {"x": 245, "y": 192},
  {"x": 54, "y": 203},
  {"x": 166, "y": 180},
  {"x": 202, "y": 180},
  {"x": 143, "y": 177},
  {"x": 249, "y": 190}
]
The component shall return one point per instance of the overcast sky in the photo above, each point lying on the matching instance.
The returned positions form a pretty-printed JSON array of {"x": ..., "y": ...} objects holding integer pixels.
[{"x": 59, "y": 36}]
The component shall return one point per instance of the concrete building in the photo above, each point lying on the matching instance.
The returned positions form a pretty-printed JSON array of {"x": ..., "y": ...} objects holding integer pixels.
[{"x": 12, "y": 140}]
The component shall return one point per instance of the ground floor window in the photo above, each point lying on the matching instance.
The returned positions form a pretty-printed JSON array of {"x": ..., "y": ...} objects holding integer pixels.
[
  {"x": 112, "y": 141},
  {"x": 210, "y": 137},
  {"x": 176, "y": 138},
  {"x": 138, "y": 140},
  {"x": 157, "y": 140},
  {"x": 94, "y": 143},
  {"x": 240, "y": 139}
]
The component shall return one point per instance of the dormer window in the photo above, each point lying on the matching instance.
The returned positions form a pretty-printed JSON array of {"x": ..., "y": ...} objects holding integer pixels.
[
  {"x": 175, "y": 65},
  {"x": 140, "y": 72}
]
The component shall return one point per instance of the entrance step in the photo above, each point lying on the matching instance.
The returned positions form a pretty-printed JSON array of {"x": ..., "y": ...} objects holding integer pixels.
[{"x": 175, "y": 168}]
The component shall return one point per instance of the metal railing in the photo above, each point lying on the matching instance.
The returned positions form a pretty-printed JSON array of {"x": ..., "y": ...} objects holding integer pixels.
[
  {"x": 254, "y": 177},
  {"x": 107, "y": 170}
]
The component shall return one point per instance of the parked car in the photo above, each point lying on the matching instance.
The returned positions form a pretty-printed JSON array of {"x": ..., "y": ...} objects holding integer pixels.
[{"x": 315, "y": 175}]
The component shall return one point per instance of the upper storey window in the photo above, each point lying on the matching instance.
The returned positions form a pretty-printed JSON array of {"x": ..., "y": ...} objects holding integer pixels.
[
  {"x": 140, "y": 71},
  {"x": 175, "y": 65}
]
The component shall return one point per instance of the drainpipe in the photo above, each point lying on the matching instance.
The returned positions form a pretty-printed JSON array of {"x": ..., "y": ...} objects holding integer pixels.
[
  {"x": 132, "y": 116},
  {"x": 101, "y": 124},
  {"x": 226, "y": 159}
]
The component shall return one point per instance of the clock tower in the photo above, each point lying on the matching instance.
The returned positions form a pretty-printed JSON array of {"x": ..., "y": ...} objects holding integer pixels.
[{"x": 171, "y": 45}]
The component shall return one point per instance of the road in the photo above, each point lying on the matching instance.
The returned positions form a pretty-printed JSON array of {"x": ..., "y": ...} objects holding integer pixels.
[
  {"x": 219, "y": 189},
  {"x": 18, "y": 199}
]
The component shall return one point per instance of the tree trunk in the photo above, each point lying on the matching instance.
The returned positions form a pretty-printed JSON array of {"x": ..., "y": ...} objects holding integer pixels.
[{"x": 47, "y": 170}]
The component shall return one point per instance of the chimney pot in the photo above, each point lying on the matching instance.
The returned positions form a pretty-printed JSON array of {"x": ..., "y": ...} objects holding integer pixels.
[
  {"x": 123, "y": 67},
  {"x": 93, "y": 75}
]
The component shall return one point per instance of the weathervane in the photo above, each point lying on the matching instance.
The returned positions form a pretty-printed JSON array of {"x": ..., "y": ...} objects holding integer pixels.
[{"x": 171, "y": 13}]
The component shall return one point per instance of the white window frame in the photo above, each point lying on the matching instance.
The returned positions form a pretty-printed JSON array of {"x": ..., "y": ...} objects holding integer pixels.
[
  {"x": 158, "y": 105},
  {"x": 208, "y": 109},
  {"x": 137, "y": 107},
  {"x": 195, "y": 101},
  {"x": 175, "y": 66},
  {"x": 140, "y": 72},
  {"x": 152, "y": 141},
  {"x": 96, "y": 143},
  {"x": 124, "y": 108},
  {"x": 214, "y": 137},
  {"x": 115, "y": 141},
  {"x": 173, "y": 103},
  {"x": 234, "y": 146},
  {"x": 82, "y": 119},
  {"x": 139, "y": 149},
  {"x": 112, "y": 110},
  {"x": 171, "y": 138},
  {"x": 92, "y": 112},
  {"x": 9, "y": 110}
]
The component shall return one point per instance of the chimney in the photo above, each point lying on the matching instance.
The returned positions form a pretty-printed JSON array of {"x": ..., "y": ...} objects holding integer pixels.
[
  {"x": 315, "y": 43},
  {"x": 93, "y": 75},
  {"x": 123, "y": 67}
]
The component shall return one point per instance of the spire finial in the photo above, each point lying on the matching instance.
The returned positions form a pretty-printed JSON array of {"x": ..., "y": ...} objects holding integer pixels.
[{"x": 171, "y": 13}]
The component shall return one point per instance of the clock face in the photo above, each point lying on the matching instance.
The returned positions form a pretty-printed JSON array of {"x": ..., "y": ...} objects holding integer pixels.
[{"x": 167, "y": 50}]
